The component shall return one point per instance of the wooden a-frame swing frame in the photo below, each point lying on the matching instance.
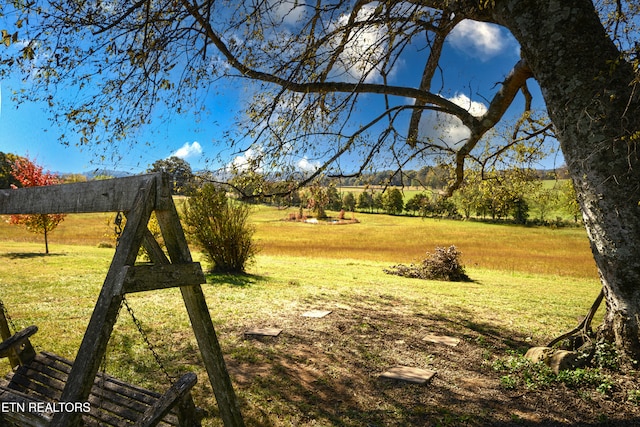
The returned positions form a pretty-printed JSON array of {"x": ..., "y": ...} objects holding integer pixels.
[{"x": 138, "y": 197}]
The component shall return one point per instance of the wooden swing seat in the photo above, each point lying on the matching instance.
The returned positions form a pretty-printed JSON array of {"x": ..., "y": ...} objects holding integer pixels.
[{"x": 29, "y": 395}]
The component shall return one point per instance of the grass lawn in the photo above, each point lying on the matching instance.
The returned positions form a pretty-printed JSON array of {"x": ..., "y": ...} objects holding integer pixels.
[{"x": 324, "y": 372}]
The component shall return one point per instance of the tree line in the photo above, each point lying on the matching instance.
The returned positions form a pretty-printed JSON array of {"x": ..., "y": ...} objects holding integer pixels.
[
  {"x": 512, "y": 195},
  {"x": 505, "y": 195}
]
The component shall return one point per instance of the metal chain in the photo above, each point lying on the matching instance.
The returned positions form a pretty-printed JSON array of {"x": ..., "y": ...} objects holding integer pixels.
[
  {"x": 9, "y": 319},
  {"x": 117, "y": 227},
  {"x": 147, "y": 341}
]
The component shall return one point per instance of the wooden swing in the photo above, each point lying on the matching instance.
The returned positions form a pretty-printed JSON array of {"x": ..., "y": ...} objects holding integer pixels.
[
  {"x": 30, "y": 394},
  {"x": 46, "y": 390}
]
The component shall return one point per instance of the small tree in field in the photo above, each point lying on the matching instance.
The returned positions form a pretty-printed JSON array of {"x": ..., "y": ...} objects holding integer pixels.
[
  {"x": 393, "y": 202},
  {"x": 349, "y": 202},
  {"x": 365, "y": 201},
  {"x": 318, "y": 200},
  {"x": 28, "y": 174},
  {"x": 220, "y": 226},
  {"x": 569, "y": 200}
]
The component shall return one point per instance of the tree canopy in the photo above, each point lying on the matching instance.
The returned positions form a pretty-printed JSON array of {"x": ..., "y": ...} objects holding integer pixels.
[
  {"x": 314, "y": 67},
  {"x": 179, "y": 170},
  {"x": 28, "y": 174},
  {"x": 7, "y": 160}
]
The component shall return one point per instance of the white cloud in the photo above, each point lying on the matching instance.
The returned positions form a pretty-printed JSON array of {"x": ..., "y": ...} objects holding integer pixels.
[
  {"x": 251, "y": 160},
  {"x": 448, "y": 130},
  {"x": 306, "y": 166},
  {"x": 246, "y": 161},
  {"x": 188, "y": 150},
  {"x": 365, "y": 48},
  {"x": 479, "y": 39},
  {"x": 475, "y": 108}
]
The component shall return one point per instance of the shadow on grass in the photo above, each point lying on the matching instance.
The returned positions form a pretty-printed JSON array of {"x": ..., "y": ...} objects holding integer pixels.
[
  {"x": 326, "y": 372},
  {"x": 239, "y": 280},
  {"x": 29, "y": 255}
]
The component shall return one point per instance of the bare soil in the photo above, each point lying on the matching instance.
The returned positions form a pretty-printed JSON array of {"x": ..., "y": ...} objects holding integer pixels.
[{"x": 325, "y": 372}]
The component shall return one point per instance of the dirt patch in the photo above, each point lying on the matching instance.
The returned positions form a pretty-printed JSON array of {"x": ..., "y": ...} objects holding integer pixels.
[{"x": 326, "y": 372}]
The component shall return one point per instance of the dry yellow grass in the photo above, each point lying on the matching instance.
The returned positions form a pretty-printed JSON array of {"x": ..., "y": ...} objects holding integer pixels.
[
  {"x": 76, "y": 229},
  {"x": 377, "y": 237},
  {"x": 538, "y": 250}
]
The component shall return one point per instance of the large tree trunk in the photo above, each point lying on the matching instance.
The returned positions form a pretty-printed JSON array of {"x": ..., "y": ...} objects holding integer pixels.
[{"x": 587, "y": 89}]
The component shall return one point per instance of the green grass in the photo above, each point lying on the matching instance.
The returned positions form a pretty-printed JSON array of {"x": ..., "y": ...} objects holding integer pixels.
[
  {"x": 57, "y": 293},
  {"x": 529, "y": 285}
]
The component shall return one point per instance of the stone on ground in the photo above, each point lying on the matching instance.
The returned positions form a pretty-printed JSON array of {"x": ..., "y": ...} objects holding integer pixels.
[
  {"x": 317, "y": 313},
  {"x": 263, "y": 332},
  {"x": 408, "y": 374},
  {"x": 442, "y": 339}
]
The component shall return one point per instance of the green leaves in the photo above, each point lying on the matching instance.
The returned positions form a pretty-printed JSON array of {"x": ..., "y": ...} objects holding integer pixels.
[{"x": 221, "y": 228}]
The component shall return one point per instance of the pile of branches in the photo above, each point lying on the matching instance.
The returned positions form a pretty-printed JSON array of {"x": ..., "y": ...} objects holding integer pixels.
[{"x": 443, "y": 264}]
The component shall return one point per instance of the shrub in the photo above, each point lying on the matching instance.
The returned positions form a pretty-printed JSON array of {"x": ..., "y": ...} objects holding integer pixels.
[
  {"x": 393, "y": 202},
  {"x": 220, "y": 226},
  {"x": 154, "y": 228},
  {"x": 443, "y": 264},
  {"x": 606, "y": 356}
]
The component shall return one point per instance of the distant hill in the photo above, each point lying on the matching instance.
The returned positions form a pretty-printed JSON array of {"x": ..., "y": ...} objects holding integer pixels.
[
  {"x": 95, "y": 173},
  {"x": 106, "y": 172}
]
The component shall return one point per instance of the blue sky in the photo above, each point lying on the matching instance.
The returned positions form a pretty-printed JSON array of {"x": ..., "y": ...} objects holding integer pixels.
[
  {"x": 27, "y": 131},
  {"x": 477, "y": 56}
]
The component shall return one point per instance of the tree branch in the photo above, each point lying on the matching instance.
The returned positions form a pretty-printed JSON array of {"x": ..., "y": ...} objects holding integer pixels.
[
  {"x": 498, "y": 106},
  {"x": 121, "y": 18},
  {"x": 326, "y": 87},
  {"x": 447, "y": 23}
]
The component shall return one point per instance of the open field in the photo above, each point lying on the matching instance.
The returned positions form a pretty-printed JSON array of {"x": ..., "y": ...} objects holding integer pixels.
[
  {"x": 529, "y": 285},
  {"x": 402, "y": 239},
  {"x": 378, "y": 237}
]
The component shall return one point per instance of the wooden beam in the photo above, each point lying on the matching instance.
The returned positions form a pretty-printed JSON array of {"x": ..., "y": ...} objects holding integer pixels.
[
  {"x": 105, "y": 313},
  {"x": 141, "y": 278},
  {"x": 5, "y": 332},
  {"x": 156, "y": 254},
  {"x": 110, "y": 195},
  {"x": 169, "y": 399},
  {"x": 25, "y": 419},
  {"x": 19, "y": 344},
  {"x": 201, "y": 322},
  {"x": 212, "y": 356}
]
